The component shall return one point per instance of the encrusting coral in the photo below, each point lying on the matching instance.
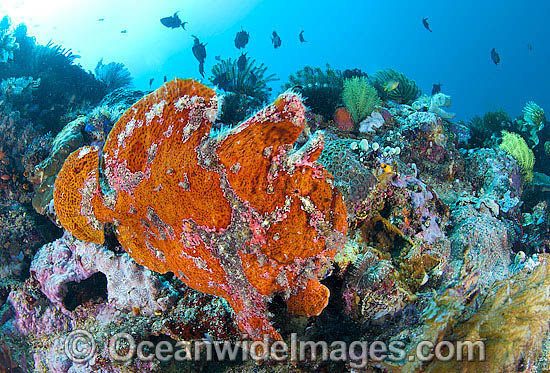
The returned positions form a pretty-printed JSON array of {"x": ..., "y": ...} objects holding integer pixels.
[{"x": 242, "y": 216}]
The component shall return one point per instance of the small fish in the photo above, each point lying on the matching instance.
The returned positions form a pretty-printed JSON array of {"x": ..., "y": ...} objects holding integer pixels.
[
  {"x": 151, "y": 82},
  {"x": 302, "y": 40},
  {"x": 199, "y": 50},
  {"x": 101, "y": 19},
  {"x": 173, "y": 22},
  {"x": 436, "y": 88},
  {"x": 530, "y": 47},
  {"x": 276, "y": 40},
  {"x": 241, "y": 39},
  {"x": 124, "y": 32},
  {"x": 241, "y": 62},
  {"x": 201, "y": 68},
  {"x": 165, "y": 79},
  {"x": 218, "y": 58},
  {"x": 385, "y": 167},
  {"x": 495, "y": 57},
  {"x": 426, "y": 24},
  {"x": 390, "y": 85}
]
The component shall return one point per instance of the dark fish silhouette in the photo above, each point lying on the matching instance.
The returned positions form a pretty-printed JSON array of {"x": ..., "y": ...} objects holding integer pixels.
[
  {"x": 241, "y": 39},
  {"x": 426, "y": 24},
  {"x": 495, "y": 57},
  {"x": 199, "y": 51},
  {"x": 276, "y": 40},
  {"x": 530, "y": 47},
  {"x": 165, "y": 79},
  {"x": 201, "y": 68},
  {"x": 101, "y": 19},
  {"x": 218, "y": 58},
  {"x": 436, "y": 88},
  {"x": 173, "y": 21},
  {"x": 151, "y": 82},
  {"x": 302, "y": 37},
  {"x": 124, "y": 32},
  {"x": 241, "y": 62}
]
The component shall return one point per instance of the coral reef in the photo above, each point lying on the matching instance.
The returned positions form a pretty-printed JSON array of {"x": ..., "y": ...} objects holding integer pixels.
[
  {"x": 534, "y": 120},
  {"x": 129, "y": 286},
  {"x": 117, "y": 294},
  {"x": 351, "y": 177},
  {"x": 485, "y": 131},
  {"x": 359, "y": 98},
  {"x": 393, "y": 223},
  {"x": 243, "y": 201},
  {"x": 8, "y": 42},
  {"x": 515, "y": 145},
  {"x": 322, "y": 90},
  {"x": 406, "y": 91},
  {"x": 435, "y": 104},
  {"x": 114, "y": 75},
  {"x": 512, "y": 322},
  {"x": 64, "y": 87},
  {"x": 371, "y": 123}
]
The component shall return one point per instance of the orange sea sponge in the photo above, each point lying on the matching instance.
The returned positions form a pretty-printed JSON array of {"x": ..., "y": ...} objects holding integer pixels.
[
  {"x": 241, "y": 215},
  {"x": 343, "y": 120}
]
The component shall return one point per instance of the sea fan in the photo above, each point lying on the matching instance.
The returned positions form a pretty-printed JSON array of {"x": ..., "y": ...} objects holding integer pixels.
[
  {"x": 406, "y": 91},
  {"x": 114, "y": 75},
  {"x": 250, "y": 80}
]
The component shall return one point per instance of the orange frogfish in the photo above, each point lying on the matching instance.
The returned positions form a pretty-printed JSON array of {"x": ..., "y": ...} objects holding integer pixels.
[{"x": 242, "y": 215}]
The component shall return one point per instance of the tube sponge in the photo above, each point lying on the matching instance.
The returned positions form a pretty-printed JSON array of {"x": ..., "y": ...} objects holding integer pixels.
[
  {"x": 515, "y": 145},
  {"x": 359, "y": 97}
]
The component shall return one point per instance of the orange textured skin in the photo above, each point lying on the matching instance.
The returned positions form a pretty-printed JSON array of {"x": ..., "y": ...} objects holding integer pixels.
[
  {"x": 79, "y": 169},
  {"x": 241, "y": 216}
]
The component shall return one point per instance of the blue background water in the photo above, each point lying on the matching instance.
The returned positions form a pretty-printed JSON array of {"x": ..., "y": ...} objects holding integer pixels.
[{"x": 370, "y": 35}]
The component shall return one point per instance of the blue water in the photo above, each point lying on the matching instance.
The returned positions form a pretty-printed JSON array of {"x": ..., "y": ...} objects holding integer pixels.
[{"x": 369, "y": 35}]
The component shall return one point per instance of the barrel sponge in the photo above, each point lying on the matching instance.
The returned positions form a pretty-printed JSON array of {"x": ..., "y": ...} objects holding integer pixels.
[{"x": 74, "y": 188}]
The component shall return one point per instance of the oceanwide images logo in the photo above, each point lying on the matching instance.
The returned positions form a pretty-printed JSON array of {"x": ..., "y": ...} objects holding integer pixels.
[{"x": 80, "y": 347}]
